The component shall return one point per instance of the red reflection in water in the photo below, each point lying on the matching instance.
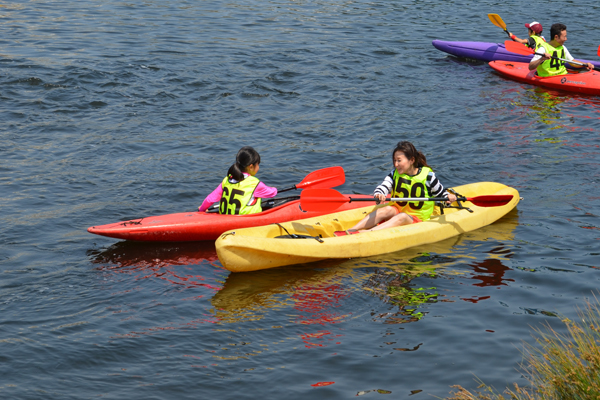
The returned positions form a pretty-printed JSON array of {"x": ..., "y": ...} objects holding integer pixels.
[
  {"x": 176, "y": 264},
  {"x": 317, "y": 301},
  {"x": 520, "y": 111},
  {"x": 161, "y": 261},
  {"x": 490, "y": 272},
  {"x": 311, "y": 339},
  {"x": 589, "y": 227},
  {"x": 476, "y": 299}
]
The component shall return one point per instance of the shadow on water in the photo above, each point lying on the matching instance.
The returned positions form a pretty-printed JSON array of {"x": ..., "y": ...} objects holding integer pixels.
[{"x": 463, "y": 60}]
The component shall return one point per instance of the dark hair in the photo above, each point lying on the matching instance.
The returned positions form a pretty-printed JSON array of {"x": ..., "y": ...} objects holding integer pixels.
[
  {"x": 556, "y": 29},
  {"x": 410, "y": 151},
  {"x": 245, "y": 157}
]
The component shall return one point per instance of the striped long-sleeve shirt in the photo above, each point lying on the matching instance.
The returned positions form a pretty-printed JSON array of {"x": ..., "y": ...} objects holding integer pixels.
[{"x": 434, "y": 186}]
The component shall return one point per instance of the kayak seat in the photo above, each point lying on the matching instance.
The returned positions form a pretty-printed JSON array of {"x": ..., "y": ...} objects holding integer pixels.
[
  {"x": 345, "y": 233},
  {"x": 297, "y": 236}
]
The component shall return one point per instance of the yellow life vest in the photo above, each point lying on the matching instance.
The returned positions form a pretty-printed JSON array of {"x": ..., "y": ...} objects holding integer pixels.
[
  {"x": 553, "y": 66},
  {"x": 237, "y": 197},
  {"x": 538, "y": 41},
  {"x": 413, "y": 186}
]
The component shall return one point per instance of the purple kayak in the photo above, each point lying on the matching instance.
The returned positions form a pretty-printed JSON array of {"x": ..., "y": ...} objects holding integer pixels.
[{"x": 486, "y": 51}]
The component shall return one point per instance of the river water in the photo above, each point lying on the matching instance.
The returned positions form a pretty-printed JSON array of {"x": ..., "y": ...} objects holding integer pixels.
[{"x": 114, "y": 110}]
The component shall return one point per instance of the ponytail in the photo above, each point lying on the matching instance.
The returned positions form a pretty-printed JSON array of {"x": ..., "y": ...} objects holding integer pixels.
[
  {"x": 245, "y": 157},
  {"x": 410, "y": 151}
]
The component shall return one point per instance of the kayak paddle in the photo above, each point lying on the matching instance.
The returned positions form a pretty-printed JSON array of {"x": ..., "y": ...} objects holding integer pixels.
[
  {"x": 524, "y": 50},
  {"x": 330, "y": 199},
  {"x": 321, "y": 179},
  {"x": 598, "y": 51},
  {"x": 324, "y": 178},
  {"x": 496, "y": 20}
]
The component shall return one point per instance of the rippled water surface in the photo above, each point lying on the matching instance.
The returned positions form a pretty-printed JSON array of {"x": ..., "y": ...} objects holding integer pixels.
[{"x": 113, "y": 110}]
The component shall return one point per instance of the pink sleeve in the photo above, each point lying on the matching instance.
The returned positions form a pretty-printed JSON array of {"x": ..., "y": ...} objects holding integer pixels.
[
  {"x": 211, "y": 198},
  {"x": 265, "y": 192}
]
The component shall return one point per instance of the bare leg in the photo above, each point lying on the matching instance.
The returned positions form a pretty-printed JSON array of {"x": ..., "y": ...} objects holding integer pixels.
[
  {"x": 375, "y": 217},
  {"x": 397, "y": 220}
]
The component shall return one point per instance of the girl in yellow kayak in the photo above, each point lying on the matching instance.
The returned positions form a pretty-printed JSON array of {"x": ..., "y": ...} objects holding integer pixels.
[
  {"x": 240, "y": 192},
  {"x": 411, "y": 177}
]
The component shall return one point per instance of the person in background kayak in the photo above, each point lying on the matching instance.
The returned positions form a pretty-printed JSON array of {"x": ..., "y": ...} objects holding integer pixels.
[
  {"x": 411, "y": 177},
  {"x": 535, "y": 38},
  {"x": 240, "y": 192},
  {"x": 543, "y": 61}
]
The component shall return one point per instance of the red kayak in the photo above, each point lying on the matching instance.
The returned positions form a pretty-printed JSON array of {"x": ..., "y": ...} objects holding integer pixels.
[
  {"x": 585, "y": 82},
  {"x": 196, "y": 226}
]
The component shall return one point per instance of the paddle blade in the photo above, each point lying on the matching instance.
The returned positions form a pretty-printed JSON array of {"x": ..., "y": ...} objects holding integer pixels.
[
  {"x": 491, "y": 200},
  {"x": 598, "y": 51},
  {"x": 323, "y": 179},
  {"x": 518, "y": 48},
  {"x": 322, "y": 199},
  {"x": 496, "y": 20}
]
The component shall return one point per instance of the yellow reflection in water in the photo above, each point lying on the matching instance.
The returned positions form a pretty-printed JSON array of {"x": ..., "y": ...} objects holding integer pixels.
[
  {"x": 315, "y": 295},
  {"x": 557, "y": 111},
  {"x": 313, "y": 291}
]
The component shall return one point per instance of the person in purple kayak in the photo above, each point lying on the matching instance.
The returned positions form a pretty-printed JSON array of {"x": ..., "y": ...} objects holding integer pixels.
[
  {"x": 535, "y": 38},
  {"x": 240, "y": 192}
]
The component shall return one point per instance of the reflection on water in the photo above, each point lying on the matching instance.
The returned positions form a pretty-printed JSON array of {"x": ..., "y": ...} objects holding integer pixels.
[
  {"x": 167, "y": 261},
  {"x": 543, "y": 107},
  {"x": 139, "y": 254},
  {"x": 394, "y": 288},
  {"x": 313, "y": 294},
  {"x": 317, "y": 303},
  {"x": 490, "y": 272},
  {"x": 317, "y": 295},
  {"x": 315, "y": 291},
  {"x": 557, "y": 111}
]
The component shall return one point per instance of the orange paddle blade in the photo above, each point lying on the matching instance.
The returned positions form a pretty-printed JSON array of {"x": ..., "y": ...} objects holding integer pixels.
[
  {"x": 323, "y": 178},
  {"x": 598, "y": 51},
  {"x": 518, "y": 48},
  {"x": 496, "y": 20}
]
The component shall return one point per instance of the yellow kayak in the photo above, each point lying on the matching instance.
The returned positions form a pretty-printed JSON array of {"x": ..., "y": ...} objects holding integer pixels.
[{"x": 270, "y": 246}]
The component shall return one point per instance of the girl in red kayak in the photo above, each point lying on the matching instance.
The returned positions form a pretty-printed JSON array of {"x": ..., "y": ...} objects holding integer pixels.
[
  {"x": 411, "y": 177},
  {"x": 240, "y": 192}
]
